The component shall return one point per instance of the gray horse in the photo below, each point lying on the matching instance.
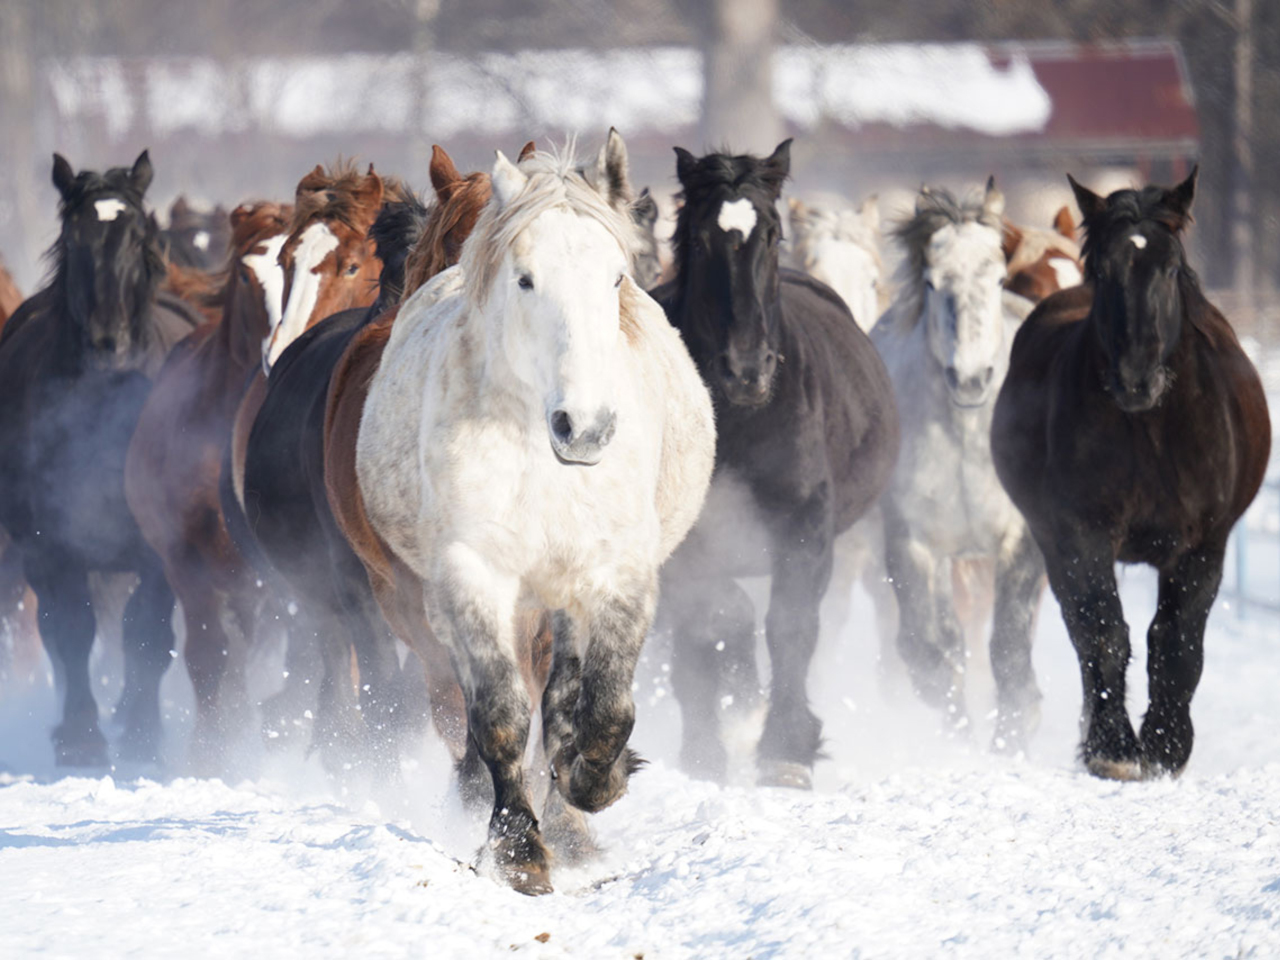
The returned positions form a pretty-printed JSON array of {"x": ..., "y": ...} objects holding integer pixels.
[{"x": 946, "y": 343}]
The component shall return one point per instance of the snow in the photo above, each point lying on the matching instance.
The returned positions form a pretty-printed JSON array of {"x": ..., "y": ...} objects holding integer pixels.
[
  {"x": 576, "y": 90},
  {"x": 913, "y": 845}
]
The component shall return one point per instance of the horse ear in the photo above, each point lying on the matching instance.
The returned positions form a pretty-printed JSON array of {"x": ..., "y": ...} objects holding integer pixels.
[
  {"x": 685, "y": 162},
  {"x": 527, "y": 151},
  {"x": 1090, "y": 203},
  {"x": 313, "y": 182},
  {"x": 370, "y": 191},
  {"x": 1010, "y": 240},
  {"x": 63, "y": 175},
  {"x": 140, "y": 175},
  {"x": 612, "y": 173},
  {"x": 241, "y": 214},
  {"x": 777, "y": 166},
  {"x": 444, "y": 175},
  {"x": 507, "y": 179},
  {"x": 1063, "y": 223},
  {"x": 645, "y": 209},
  {"x": 924, "y": 199},
  {"x": 1181, "y": 196},
  {"x": 993, "y": 199}
]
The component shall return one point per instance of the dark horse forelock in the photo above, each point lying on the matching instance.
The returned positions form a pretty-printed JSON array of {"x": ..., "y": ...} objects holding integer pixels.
[
  {"x": 1124, "y": 210},
  {"x": 138, "y": 270}
]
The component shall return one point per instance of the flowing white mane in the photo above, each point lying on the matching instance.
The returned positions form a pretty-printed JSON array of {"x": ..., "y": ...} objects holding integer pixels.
[{"x": 553, "y": 181}]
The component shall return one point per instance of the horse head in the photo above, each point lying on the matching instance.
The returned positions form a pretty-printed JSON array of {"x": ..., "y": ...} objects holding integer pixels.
[
  {"x": 1134, "y": 258},
  {"x": 547, "y": 266},
  {"x": 957, "y": 266},
  {"x": 108, "y": 261},
  {"x": 328, "y": 260},
  {"x": 840, "y": 247},
  {"x": 726, "y": 241},
  {"x": 1042, "y": 262}
]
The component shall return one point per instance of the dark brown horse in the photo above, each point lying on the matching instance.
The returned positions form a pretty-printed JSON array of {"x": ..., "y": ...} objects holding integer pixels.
[
  {"x": 171, "y": 475},
  {"x": 1132, "y": 428}
]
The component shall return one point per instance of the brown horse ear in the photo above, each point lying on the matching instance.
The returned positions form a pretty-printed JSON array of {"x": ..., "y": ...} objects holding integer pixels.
[
  {"x": 1063, "y": 223},
  {"x": 63, "y": 175},
  {"x": 1010, "y": 240},
  {"x": 527, "y": 151},
  {"x": 1090, "y": 203},
  {"x": 140, "y": 175},
  {"x": 1181, "y": 196},
  {"x": 241, "y": 214},
  {"x": 444, "y": 174},
  {"x": 369, "y": 193},
  {"x": 685, "y": 162},
  {"x": 777, "y": 167},
  {"x": 313, "y": 182}
]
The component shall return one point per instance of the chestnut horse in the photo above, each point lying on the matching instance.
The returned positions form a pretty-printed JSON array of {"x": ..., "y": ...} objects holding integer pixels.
[
  {"x": 1131, "y": 427},
  {"x": 1042, "y": 262},
  {"x": 171, "y": 474},
  {"x": 10, "y": 297}
]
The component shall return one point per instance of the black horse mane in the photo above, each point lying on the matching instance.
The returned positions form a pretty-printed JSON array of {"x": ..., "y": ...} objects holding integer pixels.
[
  {"x": 141, "y": 274},
  {"x": 1124, "y": 210},
  {"x": 722, "y": 174},
  {"x": 395, "y": 232}
]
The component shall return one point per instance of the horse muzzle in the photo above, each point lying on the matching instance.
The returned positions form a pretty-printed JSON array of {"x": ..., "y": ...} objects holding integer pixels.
[
  {"x": 1140, "y": 394},
  {"x": 578, "y": 440},
  {"x": 972, "y": 391}
]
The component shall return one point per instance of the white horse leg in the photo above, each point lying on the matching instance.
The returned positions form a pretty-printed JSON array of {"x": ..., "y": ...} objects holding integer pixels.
[
  {"x": 1019, "y": 582},
  {"x": 930, "y": 640},
  {"x": 472, "y": 608},
  {"x": 592, "y": 770}
]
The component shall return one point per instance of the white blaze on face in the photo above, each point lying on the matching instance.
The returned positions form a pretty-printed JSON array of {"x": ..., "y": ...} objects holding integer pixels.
[
  {"x": 737, "y": 215},
  {"x": 108, "y": 209},
  {"x": 201, "y": 240},
  {"x": 266, "y": 267},
  {"x": 1067, "y": 272},
  {"x": 316, "y": 243},
  {"x": 1139, "y": 241}
]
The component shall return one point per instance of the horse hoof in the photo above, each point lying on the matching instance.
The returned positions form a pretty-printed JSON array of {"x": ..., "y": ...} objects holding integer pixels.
[
  {"x": 592, "y": 788},
  {"x": 1114, "y": 769},
  {"x": 785, "y": 773},
  {"x": 520, "y": 861},
  {"x": 530, "y": 879}
]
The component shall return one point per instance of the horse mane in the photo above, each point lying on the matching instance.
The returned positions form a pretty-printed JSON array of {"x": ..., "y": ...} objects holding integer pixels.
[
  {"x": 843, "y": 224},
  {"x": 342, "y": 194},
  {"x": 553, "y": 181},
  {"x": 715, "y": 174},
  {"x": 936, "y": 208},
  {"x": 438, "y": 246},
  {"x": 395, "y": 234}
]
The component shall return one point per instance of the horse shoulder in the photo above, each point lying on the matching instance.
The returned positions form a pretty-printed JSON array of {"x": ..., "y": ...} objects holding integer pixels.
[{"x": 674, "y": 389}]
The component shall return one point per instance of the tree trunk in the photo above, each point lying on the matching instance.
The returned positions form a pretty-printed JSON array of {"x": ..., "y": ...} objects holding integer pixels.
[{"x": 737, "y": 108}]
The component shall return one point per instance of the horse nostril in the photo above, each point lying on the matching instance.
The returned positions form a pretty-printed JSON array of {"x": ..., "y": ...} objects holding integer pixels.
[
  {"x": 953, "y": 378},
  {"x": 725, "y": 367},
  {"x": 987, "y": 374},
  {"x": 561, "y": 426},
  {"x": 107, "y": 344}
]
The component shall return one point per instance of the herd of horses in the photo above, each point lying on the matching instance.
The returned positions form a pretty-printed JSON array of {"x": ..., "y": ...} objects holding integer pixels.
[{"x": 495, "y": 429}]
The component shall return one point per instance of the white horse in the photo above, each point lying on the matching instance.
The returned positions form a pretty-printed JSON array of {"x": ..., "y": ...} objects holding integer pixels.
[
  {"x": 946, "y": 343},
  {"x": 841, "y": 247},
  {"x": 537, "y": 436}
]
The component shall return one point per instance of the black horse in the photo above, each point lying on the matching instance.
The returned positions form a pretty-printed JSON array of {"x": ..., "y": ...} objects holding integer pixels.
[
  {"x": 1132, "y": 427},
  {"x": 807, "y": 439},
  {"x": 293, "y": 533},
  {"x": 76, "y": 363}
]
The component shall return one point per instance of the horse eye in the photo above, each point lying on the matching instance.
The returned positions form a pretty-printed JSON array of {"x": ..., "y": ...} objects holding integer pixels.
[
  {"x": 618, "y": 282},
  {"x": 928, "y": 285},
  {"x": 525, "y": 281},
  {"x": 353, "y": 270}
]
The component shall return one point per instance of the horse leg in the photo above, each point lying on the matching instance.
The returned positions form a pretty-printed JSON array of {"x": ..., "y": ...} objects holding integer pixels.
[
  {"x": 1175, "y": 658},
  {"x": 148, "y": 650},
  {"x": 713, "y": 655},
  {"x": 564, "y": 826},
  {"x": 592, "y": 771},
  {"x": 206, "y": 652},
  {"x": 1019, "y": 571},
  {"x": 802, "y": 563},
  {"x": 67, "y": 630},
  {"x": 1083, "y": 579},
  {"x": 929, "y": 642},
  {"x": 339, "y": 732},
  {"x": 473, "y": 610}
]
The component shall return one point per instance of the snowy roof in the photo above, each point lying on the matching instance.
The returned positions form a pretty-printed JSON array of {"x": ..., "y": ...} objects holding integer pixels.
[{"x": 986, "y": 90}]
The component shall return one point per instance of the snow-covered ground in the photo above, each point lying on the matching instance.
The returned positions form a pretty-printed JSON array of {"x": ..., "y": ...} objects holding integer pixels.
[{"x": 912, "y": 845}]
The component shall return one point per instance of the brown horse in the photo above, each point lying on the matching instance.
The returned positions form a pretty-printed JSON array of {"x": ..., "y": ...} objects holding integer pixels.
[
  {"x": 397, "y": 591},
  {"x": 1042, "y": 262},
  {"x": 329, "y": 265},
  {"x": 1132, "y": 428},
  {"x": 10, "y": 297},
  {"x": 171, "y": 474}
]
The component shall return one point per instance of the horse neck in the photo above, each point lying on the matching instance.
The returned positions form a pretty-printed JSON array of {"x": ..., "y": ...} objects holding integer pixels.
[{"x": 244, "y": 323}]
